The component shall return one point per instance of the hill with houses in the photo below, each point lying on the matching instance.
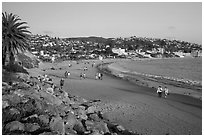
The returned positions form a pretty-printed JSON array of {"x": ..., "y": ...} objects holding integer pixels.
[{"x": 48, "y": 48}]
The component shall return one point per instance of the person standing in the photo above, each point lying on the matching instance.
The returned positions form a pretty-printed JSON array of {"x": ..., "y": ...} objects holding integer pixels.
[
  {"x": 61, "y": 83},
  {"x": 166, "y": 92},
  {"x": 101, "y": 76},
  {"x": 65, "y": 74},
  {"x": 81, "y": 75},
  {"x": 159, "y": 91},
  {"x": 84, "y": 75},
  {"x": 96, "y": 76},
  {"x": 68, "y": 74}
]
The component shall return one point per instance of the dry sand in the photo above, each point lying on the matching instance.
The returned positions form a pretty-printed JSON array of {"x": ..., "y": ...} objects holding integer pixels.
[{"x": 135, "y": 107}]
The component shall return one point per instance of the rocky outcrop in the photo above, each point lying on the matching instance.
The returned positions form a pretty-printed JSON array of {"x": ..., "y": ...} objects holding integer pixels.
[{"x": 28, "y": 109}]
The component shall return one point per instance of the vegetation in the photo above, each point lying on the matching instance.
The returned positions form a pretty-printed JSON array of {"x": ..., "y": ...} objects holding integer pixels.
[{"x": 15, "y": 37}]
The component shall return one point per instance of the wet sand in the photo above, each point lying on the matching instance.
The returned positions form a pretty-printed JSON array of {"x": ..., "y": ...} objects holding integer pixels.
[{"x": 135, "y": 107}]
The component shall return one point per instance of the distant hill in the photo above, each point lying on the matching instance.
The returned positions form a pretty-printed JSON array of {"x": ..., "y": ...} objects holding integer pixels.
[{"x": 92, "y": 39}]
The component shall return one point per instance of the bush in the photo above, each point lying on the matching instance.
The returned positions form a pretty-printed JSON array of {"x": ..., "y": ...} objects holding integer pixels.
[
  {"x": 27, "y": 61},
  {"x": 16, "y": 68}
]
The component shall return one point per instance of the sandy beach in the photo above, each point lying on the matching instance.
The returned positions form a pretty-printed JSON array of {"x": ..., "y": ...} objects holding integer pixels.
[{"x": 135, "y": 107}]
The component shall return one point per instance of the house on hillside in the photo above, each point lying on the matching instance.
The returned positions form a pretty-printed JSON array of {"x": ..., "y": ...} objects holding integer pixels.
[{"x": 119, "y": 51}]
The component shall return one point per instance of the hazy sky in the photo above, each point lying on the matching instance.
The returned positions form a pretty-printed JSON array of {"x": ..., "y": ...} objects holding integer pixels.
[{"x": 182, "y": 21}]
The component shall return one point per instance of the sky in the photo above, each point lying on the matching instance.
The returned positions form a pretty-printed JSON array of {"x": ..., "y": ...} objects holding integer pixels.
[{"x": 171, "y": 20}]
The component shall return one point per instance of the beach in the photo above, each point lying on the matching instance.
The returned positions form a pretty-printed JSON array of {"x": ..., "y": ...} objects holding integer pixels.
[
  {"x": 185, "y": 79},
  {"x": 134, "y": 106}
]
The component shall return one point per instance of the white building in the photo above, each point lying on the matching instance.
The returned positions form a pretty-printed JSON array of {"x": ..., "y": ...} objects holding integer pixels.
[{"x": 119, "y": 51}]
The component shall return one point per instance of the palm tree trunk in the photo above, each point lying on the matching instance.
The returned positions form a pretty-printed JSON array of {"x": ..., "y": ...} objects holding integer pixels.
[
  {"x": 3, "y": 59},
  {"x": 3, "y": 56},
  {"x": 11, "y": 59}
]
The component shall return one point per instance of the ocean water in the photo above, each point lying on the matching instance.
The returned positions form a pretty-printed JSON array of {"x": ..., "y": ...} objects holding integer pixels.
[{"x": 181, "y": 68}]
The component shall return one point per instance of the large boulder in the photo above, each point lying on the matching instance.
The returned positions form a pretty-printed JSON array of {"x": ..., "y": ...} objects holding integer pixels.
[
  {"x": 69, "y": 131},
  {"x": 57, "y": 125},
  {"x": 10, "y": 114},
  {"x": 31, "y": 127},
  {"x": 101, "y": 127},
  {"x": 12, "y": 99},
  {"x": 15, "y": 126},
  {"x": 79, "y": 128},
  {"x": 70, "y": 120},
  {"x": 23, "y": 85},
  {"x": 91, "y": 109},
  {"x": 50, "y": 98},
  {"x": 5, "y": 104},
  {"x": 44, "y": 119},
  {"x": 94, "y": 117}
]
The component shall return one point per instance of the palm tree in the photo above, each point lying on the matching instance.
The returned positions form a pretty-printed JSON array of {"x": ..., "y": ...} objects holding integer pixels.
[{"x": 15, "y": 36}]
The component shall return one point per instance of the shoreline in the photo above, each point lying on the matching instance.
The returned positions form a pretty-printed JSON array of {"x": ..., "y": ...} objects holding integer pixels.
[
  {"x": 151, "y": 81},
  {"x": 135, "y": 107}
]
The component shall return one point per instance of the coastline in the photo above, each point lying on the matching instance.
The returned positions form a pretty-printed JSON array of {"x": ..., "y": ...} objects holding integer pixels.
[
  {"x": 176, "y": 86},
  {"x": 135, "y": 107}
]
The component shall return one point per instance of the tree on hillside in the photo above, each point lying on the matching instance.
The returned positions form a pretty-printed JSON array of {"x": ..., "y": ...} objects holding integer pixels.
[{"x": 15, "y": 36}]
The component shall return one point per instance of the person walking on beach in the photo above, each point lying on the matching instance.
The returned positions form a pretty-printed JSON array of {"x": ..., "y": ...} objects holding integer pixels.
[
  {"x": 61, "y": 83},
  {"x": 65, "y": 74},
  {"x": 84, "y": 75},
  {"x": 96, "y": 76},
  {"x": 166, "y": 92},
  {"x": 68, "y": 74},
  {"x": 101, "y": 76},
  {"x": 159, "y": 91},
  {"x": 81, "y": 75}
]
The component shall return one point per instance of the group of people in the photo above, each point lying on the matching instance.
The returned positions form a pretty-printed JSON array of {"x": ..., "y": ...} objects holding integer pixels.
[
  {"x": 160, "y": 90},
  {"x": 82, "y": 75},
  {"x": 99, "y": 76},
  {"x": 67, "y": 74}
]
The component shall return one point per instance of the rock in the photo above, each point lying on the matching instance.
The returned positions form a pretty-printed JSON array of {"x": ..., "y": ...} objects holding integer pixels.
[
  {"x": 96, "y": 132},
  {"x": 4, "y": 84},
  {"x": 94, "y": 117},
  {"x": 47, "y": 133},
  {"x": 83, "y": 116},
  {"x": 5, "y": 88},
  {"x": 10, "y": 115},
  {"x": 12, "y": 99},
  {"x": 81, "y": 113},
  {"x": 27, "y": 108},
  {"x": 70, "y": 120},
  {"x": 66, "y": 101},
  {"x": 101, "y": 127},
  {"x": 57, "y": 125},
  {"x": 50, "y": 110},
  {"x": 67, "y": 109},
  {"x": 15, "y": 126},
  {"x": 30, "y": 117},
  {"x": 91, "y": 109},
  {"x": 5, "y": 104},
  {"x": 39, "y": 109},
  {"x": 44, "y": 119},
  {"x": 60, "y": 110},
  {"x": 89, "y": 125},
  {"x": 69, "y": 131},
  {"x": 23, "y": 85},
  {"x": 120, "y": 128},
  {"x": 79, "y": 128},
  {"x": 19, "y": 93},
  {"x": 75, "y": 106},
  {"x": 31, "y": 127},
  {"x": 50, "y": 98}
]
